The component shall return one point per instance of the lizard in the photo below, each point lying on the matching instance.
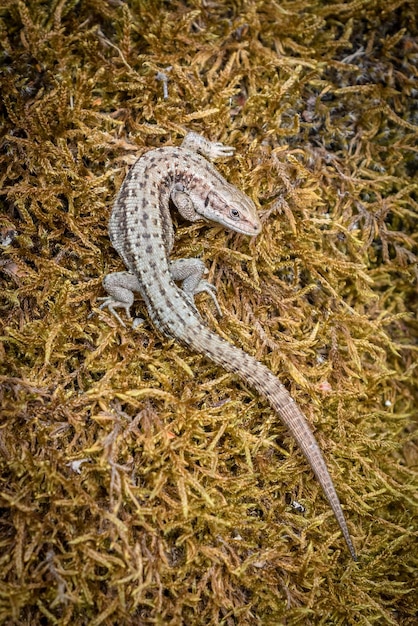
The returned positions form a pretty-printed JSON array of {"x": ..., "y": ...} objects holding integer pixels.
[{"x": 142, "y": 232}]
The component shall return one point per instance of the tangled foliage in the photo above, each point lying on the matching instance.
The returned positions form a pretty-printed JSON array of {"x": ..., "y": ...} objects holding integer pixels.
[{"x": 139, "y": 483}]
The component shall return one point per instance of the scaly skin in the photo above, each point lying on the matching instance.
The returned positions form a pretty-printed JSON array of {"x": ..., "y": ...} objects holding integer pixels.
[{"x": 141, "y": 231}]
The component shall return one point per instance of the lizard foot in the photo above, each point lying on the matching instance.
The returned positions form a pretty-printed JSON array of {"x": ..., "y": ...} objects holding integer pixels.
[
  {"x": 111, "y": 304},
  {"x": 205, "y": 286},
  {"x": 120, "y": 287},
  {"x": 210, "y": 149}
]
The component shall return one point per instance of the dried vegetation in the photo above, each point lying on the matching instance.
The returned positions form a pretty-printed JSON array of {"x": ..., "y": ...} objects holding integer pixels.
[{"x": 139, "y": 483}]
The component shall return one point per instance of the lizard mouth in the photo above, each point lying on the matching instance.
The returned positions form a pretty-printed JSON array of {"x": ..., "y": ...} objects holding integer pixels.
[
  {"x": 233, "y": 210},
  {"x": 245, "y": 227}
]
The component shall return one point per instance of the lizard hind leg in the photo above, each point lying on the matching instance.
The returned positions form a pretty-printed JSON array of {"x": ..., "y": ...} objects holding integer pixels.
[
  {"x": 190, "y": 273},
  {"x": 120, "y": 287}
]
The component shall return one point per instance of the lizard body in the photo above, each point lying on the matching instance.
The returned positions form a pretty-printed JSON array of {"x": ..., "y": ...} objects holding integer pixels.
[{"x": 141, "y": 231}]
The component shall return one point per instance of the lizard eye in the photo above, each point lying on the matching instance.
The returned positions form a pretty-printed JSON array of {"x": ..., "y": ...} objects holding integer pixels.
[{"x": 234, "y": 213}]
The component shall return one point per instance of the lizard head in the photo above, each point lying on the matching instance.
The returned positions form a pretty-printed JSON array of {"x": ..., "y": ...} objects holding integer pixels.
[
  {"x": 230, "y": 207},
  {"x": 211, "y": 197}
]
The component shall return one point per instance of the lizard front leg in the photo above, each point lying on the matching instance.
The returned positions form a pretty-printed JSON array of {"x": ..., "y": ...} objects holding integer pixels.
[{"x": 212, "y": 150}]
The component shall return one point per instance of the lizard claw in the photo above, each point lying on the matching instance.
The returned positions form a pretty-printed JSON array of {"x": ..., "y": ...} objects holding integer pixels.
[
  {"x": 111, "y": 304},
  {"x": 219, "y": 151},
  {"x": 207, "y": 287}
]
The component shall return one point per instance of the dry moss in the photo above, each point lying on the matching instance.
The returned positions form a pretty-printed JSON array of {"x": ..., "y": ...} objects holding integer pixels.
[{"x": 140, "y": 484}]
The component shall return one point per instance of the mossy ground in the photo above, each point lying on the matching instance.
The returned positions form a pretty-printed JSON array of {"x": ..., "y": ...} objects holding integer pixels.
[{"x": 139, "y": 483}]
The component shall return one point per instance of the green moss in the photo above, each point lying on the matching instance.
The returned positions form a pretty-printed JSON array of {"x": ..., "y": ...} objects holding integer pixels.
[{"x": 139, "y": 483}]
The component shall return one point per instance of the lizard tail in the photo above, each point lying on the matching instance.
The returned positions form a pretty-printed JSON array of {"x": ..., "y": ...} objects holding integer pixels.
[{"x": 235, "y": 360}]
